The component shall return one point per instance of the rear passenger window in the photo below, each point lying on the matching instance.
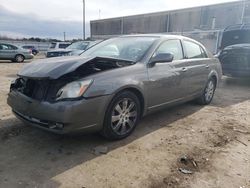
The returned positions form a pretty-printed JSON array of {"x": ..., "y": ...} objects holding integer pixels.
[
  {"x": 194, "y": 50},
  {"x": 12, "y": 47},
  {"x": 171, "y": 46}
]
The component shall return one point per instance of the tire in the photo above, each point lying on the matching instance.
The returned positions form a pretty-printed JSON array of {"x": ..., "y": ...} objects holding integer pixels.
[
  {"x": 19, "y": 58},
  {"x": 122, "y": 116},
  {"x": 208, "y": 93},
  {"x": 34, "y": 53}
]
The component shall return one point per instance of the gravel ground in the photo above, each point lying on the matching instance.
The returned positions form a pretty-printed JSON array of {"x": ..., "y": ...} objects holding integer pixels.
[{"x": 212, "y": 143}]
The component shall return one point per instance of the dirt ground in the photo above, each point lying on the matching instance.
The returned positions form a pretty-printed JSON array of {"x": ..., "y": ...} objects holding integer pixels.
[{"x": 212, "y": 143}]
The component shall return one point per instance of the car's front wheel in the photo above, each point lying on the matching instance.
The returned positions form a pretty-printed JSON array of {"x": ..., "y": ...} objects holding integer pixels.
[
  {"x": 19, "y": 58},
  {"x": 122, "y": 116},
  {"x": 208, "y": 93}
]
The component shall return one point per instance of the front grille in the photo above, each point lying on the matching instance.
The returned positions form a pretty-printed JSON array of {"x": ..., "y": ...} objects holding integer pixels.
[
  {"x": 35, "y": 89},
  {"x": 52, "y": 54},
  {"x": 41, "y": 90}
]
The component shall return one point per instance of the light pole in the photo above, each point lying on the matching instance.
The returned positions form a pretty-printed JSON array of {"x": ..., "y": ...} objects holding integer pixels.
[
  {"x": 243, "y": 11},
  {"x": 83, "y": 20}
]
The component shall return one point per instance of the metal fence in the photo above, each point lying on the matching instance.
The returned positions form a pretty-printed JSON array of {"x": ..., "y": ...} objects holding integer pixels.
[
  {"x": 212, "y": 17},
  {"x": 210, "y": 39}
]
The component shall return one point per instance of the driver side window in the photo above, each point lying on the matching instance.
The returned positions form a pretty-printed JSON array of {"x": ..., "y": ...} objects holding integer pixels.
[{"x": 171, "y": 46}]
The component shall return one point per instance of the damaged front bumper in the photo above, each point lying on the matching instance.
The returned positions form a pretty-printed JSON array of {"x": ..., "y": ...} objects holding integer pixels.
[{"x": 85, "y": 115}]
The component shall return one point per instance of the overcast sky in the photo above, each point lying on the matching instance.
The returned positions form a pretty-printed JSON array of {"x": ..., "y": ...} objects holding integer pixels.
[{"x": 49, "y": 18}]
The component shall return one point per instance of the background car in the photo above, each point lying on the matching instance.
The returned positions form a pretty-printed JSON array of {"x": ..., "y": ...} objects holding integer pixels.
[
  {"x": 74, "y": 49},
  {"x": 32, "y": 48},
  {"x": 59, "y": 45},
  {"x": 109, "y": 87},
  {"x": 234, "y": 52},
  {"x": 14, "y": 53}
]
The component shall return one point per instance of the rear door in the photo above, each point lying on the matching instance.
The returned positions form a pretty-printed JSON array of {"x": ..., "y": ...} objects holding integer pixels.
[
  {"x": 166, "y": 79},
  {"x": 197, "y": 66}
]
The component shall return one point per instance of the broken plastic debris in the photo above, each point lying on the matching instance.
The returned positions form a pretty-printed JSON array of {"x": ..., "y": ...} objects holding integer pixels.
[
  {"x": 184, "y": 171},
  {"x": 100, "y": 150}
]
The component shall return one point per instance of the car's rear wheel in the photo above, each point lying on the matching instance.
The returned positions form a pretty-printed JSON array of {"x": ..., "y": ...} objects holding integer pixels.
[
  {"x": 122, "y": 116},
  {"x": 19, "y": 58},
  {"x": 208, "y": 93}
]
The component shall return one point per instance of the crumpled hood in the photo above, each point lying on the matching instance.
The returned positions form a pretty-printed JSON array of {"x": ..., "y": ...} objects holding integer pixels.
[{"x": 52, "y": 68}]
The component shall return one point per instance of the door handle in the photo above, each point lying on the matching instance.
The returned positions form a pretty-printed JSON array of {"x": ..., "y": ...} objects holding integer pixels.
[
  {"x": 184, "y": 69},
  {"x": 207, "y": 66}
]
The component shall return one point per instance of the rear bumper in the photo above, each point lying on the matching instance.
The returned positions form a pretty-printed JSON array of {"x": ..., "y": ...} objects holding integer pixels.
[
  {"x": 29, "y": 56},
  {"x": 63, "y": 117}
]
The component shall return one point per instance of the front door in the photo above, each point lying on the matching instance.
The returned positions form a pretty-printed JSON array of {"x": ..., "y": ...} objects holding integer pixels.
[{"x": 165, "y": 83}]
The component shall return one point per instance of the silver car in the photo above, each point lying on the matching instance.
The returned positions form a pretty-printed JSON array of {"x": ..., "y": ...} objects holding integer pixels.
[
  {"x": 112, "y": 85},
  {"x": 14, "y": 53}
]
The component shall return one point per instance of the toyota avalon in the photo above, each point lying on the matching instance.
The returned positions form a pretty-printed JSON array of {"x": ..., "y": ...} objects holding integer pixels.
[{"x": 112, "y": 85}]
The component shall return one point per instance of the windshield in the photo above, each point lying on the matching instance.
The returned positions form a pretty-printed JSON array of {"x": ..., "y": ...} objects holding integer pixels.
[
  {"x": 78, "y": 46},
  {"x": 235, "y": 37},
  {"x": 127, "y": 48}
]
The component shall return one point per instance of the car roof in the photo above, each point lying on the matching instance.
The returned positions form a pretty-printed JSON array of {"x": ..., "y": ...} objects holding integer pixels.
[
  {"x": 60, "y": 42},
  {"x": 9, "y": 44},
  {"x": 163, "y": 36}
]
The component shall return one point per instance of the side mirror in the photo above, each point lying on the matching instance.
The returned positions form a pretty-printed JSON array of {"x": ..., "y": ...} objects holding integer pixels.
[{"x": 162, "y": 58}]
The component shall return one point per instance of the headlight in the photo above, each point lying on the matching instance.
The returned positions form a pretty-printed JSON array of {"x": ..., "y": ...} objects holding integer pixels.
[{"x": 73, "y": 90}]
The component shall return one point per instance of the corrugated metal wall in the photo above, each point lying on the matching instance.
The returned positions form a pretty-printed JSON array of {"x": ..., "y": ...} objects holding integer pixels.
[{"x": 212, "y": 17}]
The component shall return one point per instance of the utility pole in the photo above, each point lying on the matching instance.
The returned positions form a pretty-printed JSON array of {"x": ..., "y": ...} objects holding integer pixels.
[
  {"x": 99, "y": 14},
  {"x": 64, "y": 36},
  {"x": 83, "y": 20}
]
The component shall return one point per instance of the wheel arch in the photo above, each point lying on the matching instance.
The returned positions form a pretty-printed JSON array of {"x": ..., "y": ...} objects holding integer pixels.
[
  {"x": 138, "y": 92},
  {"x": 214, "y": 75},
  {"x": 20, "y": 55}
]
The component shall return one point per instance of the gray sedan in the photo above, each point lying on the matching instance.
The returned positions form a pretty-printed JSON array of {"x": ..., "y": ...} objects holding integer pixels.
[
  {"x": 14, "y": 53},
  {"x": 112, "y": 85}
]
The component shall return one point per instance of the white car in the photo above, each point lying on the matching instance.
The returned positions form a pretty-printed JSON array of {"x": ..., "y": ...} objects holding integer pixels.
[{"x": 58, "y": 45}]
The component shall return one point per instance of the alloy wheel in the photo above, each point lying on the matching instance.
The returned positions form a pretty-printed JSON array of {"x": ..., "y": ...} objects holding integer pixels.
[
  {"x": 19, "y": 58},
  {"x": 209, "y": 92},
  {"x": 124, "y": 116}
]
